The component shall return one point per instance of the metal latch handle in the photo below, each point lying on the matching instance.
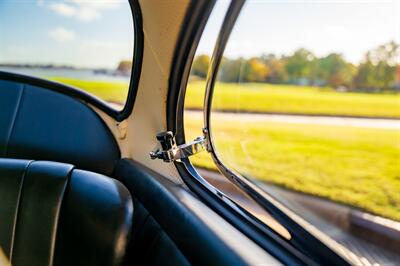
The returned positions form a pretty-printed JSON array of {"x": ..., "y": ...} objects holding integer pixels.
[{"x": 170, "y": 152}]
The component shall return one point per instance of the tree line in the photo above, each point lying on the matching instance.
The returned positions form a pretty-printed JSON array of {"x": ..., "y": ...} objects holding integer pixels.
[{"x": 378, "y": 71}]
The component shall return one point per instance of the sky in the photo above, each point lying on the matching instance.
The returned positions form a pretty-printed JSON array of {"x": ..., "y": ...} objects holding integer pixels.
[
  {"x": 70, "y": 32},
  {"x": 281, "y": 26},
  {"x": 99, "y": 33}
]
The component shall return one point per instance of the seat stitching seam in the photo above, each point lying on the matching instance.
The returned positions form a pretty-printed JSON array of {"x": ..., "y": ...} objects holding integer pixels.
[
  {"x": 17, "y": 209},
  {"x": 57, "y": 217}
]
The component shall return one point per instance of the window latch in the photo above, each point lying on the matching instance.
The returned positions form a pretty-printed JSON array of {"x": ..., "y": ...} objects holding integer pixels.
[{"x": 170, "y": 152}]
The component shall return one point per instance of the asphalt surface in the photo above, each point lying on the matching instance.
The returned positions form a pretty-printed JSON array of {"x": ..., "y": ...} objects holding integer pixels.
[{"x": 242, "y": 118}]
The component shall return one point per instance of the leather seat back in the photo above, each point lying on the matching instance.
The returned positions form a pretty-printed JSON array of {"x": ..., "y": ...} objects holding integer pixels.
[
  {"x": 51, "y": 213},
  {"x": 41, "y": 124}
]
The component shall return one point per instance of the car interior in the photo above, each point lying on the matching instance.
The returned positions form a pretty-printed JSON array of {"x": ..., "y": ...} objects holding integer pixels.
[
  {"x": 77, "y": 184},
  {"x": 70, "y": 199},
  {"x": 70, "y": 195}
]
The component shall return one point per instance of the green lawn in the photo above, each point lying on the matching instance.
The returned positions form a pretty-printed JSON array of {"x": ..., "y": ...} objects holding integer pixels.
[
  {"x": 109, "y": 91},
  {"x": 294, "y": 99},
  {"x": 265, "y": 98},
  {"x": 355, "y": 166}
]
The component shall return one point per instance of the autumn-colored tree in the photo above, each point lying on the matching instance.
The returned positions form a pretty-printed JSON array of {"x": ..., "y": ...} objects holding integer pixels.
[
  {"x": 254, "y": 70},
  {"x": 125, "y": 66},
  {"x": 376, "y": 72},
  {"x": 276, "y": 68}
]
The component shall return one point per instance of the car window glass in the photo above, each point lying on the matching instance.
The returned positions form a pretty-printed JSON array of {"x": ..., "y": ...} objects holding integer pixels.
[
  {"x": 84, "y": 44},
  {"x": 307, "y": 106},
  {"x": 193, "y": 123}
]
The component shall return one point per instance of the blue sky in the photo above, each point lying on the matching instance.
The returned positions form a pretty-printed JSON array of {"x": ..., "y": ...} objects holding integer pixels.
[
  {"x": 80, "y": 33},
  {"x": 99, "y": 33}
]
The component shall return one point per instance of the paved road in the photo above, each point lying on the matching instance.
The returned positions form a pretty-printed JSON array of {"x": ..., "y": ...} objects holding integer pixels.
[{"x": 303, "y": 119}]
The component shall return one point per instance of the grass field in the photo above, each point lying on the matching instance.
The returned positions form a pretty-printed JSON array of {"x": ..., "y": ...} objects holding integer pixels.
[
  {"x": 109, "y": 91},
  {"x": 265, "y": 98},
  {"x": 294, "y": 99},
  {"x": 355, "y": 166}
]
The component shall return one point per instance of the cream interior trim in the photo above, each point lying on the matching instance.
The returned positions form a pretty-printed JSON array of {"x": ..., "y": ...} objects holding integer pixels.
[{"x": 162, "y": 21}]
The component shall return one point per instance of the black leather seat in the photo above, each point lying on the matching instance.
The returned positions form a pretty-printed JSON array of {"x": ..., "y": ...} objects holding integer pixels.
[
  {"x": 54, "y": 214},
  {"x": 50, "y": 212},
  {"x": 41, "y": 124}
]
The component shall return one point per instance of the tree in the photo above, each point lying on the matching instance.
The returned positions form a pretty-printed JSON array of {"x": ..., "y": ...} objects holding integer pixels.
[
  {"x": 397, "y": 82},
  {"x": 299, "y": 65},
  {"x": 334, "y": 70},
  {"x": 378, "y": 71},
  {"x": 276, "y": 68},
  {"x": 242, "y": 70},
  {"x": 200, "y": 66},
  {"x": 125, "y": 66},
  {"x": 254, "y": 70},
  {"x": 230, "y": 70},
  {"x": 364, "y": 78},
  {"x": 388, "y": 53}
]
